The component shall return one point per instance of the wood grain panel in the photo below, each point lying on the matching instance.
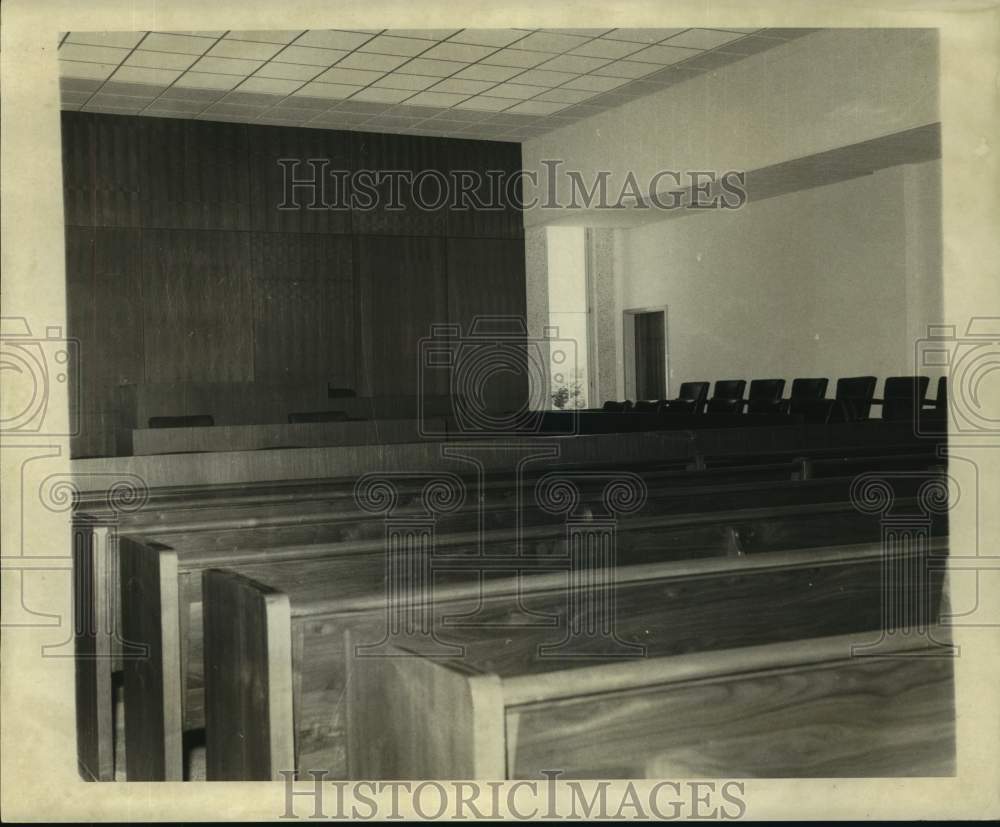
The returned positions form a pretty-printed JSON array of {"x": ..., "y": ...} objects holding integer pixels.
[
  {"x": 104, "y": 288},
  {"x": 455, "y": 720},
  {"x": 194, "y": 174},
  {"x": 247, "y": 635},
  {"x": 870, "y": 717},
  {"x": 482, "y": 157},
  {"x": 403, "y": 292},
  {"x": 272, "y": 207},
  {"x": 304, "y": 316},
  {"x": 485, "y": 282},
  {"x": 150, "y": 618},
  {"x": 101, "y": 170},
  {"x": 198, "y": 306},
  {"x": 412, "y": 154}
]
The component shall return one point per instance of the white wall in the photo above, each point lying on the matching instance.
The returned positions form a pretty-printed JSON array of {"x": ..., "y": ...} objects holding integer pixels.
[
  {"x": 833, "y": 281},
  {"x": 822, "y": 91}
]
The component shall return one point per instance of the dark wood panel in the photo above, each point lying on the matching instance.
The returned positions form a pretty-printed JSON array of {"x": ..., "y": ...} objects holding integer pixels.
[
  {"x": 304, "y": 319},
  {"x": 246, "y": 629},
  {"x": 400, "y": 215},
  {"x": 485, "y": 281},
  {"x": 482, "y": 157},
  {"x": 403, "y": 292},
  {"x": 150, "y": 618},
  {"x": 101, "y": 177},
  {"x": 194, "y": 174},
  {"x": 103, "y": 291},
  {"x": 198, "y": 306},
  {"x": 322, "y": 209}
]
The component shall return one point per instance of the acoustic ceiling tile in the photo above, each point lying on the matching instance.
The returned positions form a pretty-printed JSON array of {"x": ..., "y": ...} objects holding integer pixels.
[
  {"x": 535, "y": 107},
  {"x": 327, "y": 90},
  {"x": 437, "y": 99},
  {"x": 371, "y": 61},
  {"x": 606, "y": 48},
  {"x": 461, "y": 86},
  {"x": 437, "y": 68},
  {"x": 333, "y": 39},
  {"x": 272, "y": 86},
  {"x": 244, "y": 49},
  {"x": 205, "y": 80},
  {"x": 458, "y": 51},
  {"x": 139, "y": 74},
  {"x": 287, "y": 71},
  {"x": 386, "y": 44},
  {"x": 310, "y": 56},
  {"x": 121, "y": 40},
  {"x": 89, "y": 71},
  {"x": 517, "y": 57},
  {"x": 227, "y": 66},
  {"x": 356, "y": 77},
  {"x": 663, "y": 55},
  {"x": 574, "y": 63},
  {"x": 182, "y": 44},
  {"x": 542, "y": 77},
  {"x": 159, "y": 60},
  {"x": 488, "y": 37},
  {"x": 642, "y": 35},
  {"x": 483, "y": 103},
  {"x": 373, "y": 95},
  {"x": 264, "y": 36},
  {"x": 92, "y": 54},
  {"x": 703, "y": 38},
  {"x": 496, "y": 74},
  {"x": 550, "y": 42},
  {"x": 398, "y": 81}
]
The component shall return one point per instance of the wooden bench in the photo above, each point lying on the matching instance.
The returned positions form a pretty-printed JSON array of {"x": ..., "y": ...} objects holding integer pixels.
[
  {"x": 804, "y": 708},
  {"x": 255, "y": 728},
  {"x": 298, "y": 502}
]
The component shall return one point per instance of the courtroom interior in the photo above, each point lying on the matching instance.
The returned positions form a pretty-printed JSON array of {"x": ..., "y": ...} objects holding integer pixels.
[{"x": 479, "y": 403}]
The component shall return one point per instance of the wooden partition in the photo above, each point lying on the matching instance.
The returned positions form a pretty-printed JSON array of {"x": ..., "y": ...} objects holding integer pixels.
[
  {"x": 809, "y": 708},
  {"x": 665, "y": 609},
  {"x": 185, "y": 264}
]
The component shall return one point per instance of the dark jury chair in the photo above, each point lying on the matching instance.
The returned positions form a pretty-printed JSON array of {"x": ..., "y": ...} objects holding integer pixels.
[
  {"x": 903, "y": 397},
  {"x": 690, "y": 400},
  {"x": 617, "y": 407},
  {"x": 728, "y": 396},
  {"x": 765, "y": 396},
  {"x": 853, "y": 399}
]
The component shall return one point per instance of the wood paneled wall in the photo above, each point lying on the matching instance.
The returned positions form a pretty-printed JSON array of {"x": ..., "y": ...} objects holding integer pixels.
[{"x": 181, "y": 268}]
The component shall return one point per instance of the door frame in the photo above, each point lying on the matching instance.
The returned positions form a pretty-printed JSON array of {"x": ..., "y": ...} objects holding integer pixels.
[{"x": 628, "y": 348}]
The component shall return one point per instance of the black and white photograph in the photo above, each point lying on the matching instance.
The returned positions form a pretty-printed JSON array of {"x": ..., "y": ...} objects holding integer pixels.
[{"x": 445, "y": 413}]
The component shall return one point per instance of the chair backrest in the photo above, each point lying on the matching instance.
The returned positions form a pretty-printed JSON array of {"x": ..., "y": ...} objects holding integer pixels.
[
  {"x": 617, "y": 407},
  {"x": 903, "y": 397},
  {"x": 693, "y": 392},
  {"x": 855, "y": 393},
  {"x": 730, "y": 389},
  {"x": 809, "y": 388},
  {"x": 317, "y": 416},
  {"x": 941, "y": 396},
  {"x": 192, "y": 421},
  {"x": 646, "y": 406},
  {"x": 765, "y": 396}
]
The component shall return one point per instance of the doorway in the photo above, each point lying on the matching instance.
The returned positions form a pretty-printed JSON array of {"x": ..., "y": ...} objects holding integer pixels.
[{"x": 646, "y": 355}]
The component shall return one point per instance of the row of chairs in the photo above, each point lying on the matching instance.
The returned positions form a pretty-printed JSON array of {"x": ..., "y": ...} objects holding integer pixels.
[{"x": 904, "y": 398}]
